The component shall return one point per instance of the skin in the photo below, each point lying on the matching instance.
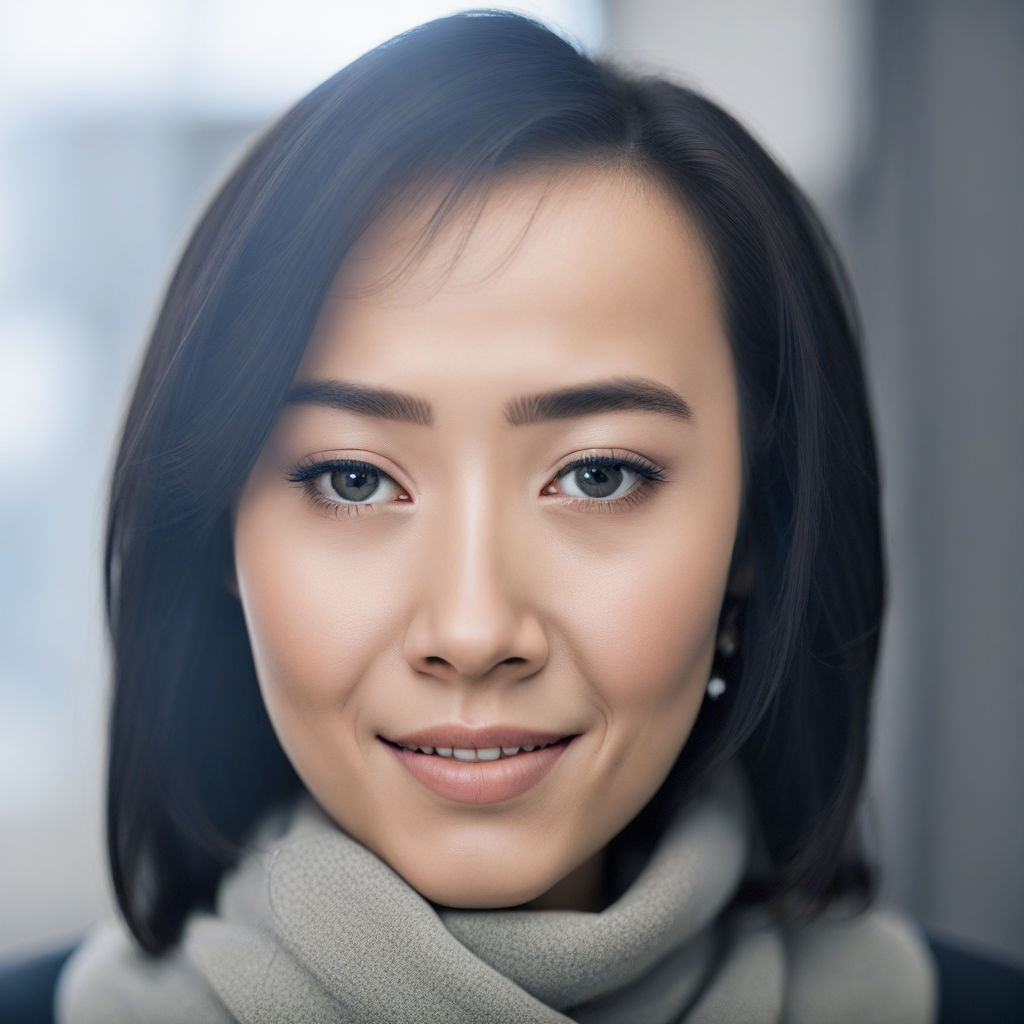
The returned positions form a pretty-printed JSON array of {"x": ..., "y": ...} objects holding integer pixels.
[{"x": 384, "y": 618}]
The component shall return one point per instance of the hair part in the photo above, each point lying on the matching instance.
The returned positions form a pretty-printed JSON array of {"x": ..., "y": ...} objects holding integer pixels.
[{"x": 446, "y": 110}]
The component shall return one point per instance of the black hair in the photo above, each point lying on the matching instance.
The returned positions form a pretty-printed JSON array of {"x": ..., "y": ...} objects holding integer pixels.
[{"x": 194, "y": 762}]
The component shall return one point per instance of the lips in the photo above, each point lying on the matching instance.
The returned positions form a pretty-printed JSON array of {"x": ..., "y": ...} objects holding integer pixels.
[{"x": 462, "y": 775}]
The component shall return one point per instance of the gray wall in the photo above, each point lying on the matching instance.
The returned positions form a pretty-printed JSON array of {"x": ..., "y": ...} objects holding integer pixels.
[
  {"x": 905, "y": 121},
  {"x": 940, "y": 255}
]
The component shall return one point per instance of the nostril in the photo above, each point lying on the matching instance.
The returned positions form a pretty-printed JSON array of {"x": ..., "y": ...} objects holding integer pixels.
[{"x": 433, "y": 659}]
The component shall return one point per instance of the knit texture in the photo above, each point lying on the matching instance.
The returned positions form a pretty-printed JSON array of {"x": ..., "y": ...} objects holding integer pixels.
[{"x": 313, "y": 927}]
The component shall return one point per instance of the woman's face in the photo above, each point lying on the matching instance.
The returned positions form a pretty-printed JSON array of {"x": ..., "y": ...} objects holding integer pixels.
[{"x": 498, "y": 512}]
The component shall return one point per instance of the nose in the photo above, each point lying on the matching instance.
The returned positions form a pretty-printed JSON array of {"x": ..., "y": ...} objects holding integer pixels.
[{"x": 475, "y": 617}]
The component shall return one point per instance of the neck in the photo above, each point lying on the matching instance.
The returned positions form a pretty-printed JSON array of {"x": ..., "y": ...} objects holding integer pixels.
[{"x": 582, "y": 889}]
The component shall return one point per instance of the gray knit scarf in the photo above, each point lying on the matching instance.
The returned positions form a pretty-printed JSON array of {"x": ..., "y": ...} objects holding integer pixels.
[{"x": 314, "y": 927}]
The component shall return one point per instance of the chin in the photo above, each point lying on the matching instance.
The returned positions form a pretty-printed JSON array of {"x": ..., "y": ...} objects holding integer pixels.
[
  {"x": 457, "y": 891},
  {"x": 464, "y": 897}
]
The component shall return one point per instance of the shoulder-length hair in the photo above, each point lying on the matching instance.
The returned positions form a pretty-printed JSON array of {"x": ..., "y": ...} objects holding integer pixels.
[{"x": 194, "y": 762}]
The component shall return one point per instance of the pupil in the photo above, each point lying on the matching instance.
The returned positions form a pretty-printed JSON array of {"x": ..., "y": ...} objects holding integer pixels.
[
  {"x": 355, "y": 484},
  {"x": 599, "y": 481}
]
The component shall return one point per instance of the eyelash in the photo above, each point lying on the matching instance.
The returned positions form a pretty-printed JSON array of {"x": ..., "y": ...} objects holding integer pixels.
[
  {"x": 308, "y": 472},
  {"x": 648, "y": 476}
]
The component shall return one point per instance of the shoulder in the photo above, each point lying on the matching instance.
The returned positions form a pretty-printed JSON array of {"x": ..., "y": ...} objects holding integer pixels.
[
  {"x": 869, "y": 969},
  {"x": 110, "y": 980}
]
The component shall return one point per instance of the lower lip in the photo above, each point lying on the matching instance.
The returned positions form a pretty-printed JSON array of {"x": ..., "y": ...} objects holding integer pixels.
[{"x": 481, "y": 782}]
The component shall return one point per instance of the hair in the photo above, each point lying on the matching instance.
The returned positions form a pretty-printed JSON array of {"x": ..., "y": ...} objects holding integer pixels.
[{"x": 193, "y": 759}]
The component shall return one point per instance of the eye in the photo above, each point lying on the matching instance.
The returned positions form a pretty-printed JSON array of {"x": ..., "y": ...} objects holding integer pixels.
[
  {"x": 348, "y": 482},
  {"x": 357, "y": 484},
  {"x": 597, "y": 481},
  {"x": 605, "y": 480}
]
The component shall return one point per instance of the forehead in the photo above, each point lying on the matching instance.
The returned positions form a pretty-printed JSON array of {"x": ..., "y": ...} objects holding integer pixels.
[{"x": 543, "y": 274}]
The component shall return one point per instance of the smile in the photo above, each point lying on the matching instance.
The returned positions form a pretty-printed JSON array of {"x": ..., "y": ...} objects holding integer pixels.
[
  {"x": 471, "y": 754},
  {"x": 479, "y": 775}
]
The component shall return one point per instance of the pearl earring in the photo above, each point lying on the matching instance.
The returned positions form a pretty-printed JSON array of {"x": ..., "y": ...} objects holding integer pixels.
[{"x": 716, "y": 687}]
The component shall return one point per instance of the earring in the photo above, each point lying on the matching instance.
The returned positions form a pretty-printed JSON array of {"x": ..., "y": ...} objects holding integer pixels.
[
  {"x": 728, "y": 640},
  {"x": 726, "y": 644}
]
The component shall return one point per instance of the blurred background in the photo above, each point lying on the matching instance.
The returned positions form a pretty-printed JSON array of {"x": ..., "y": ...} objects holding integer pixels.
[{"x": 904, "y": 119}]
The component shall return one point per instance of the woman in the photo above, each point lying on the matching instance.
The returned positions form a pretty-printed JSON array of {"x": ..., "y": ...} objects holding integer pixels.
[{"x": 494, "y": 573}]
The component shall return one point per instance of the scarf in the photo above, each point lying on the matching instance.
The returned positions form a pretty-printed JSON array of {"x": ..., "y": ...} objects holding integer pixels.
[{"x": 312, "y": 926}]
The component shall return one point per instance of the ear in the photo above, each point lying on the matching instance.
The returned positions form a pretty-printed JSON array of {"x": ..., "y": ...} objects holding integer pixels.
[
  {"x": 741, "y": 572},
  {"x": 737, "y": 590},
  {"x": 741, "y": 576},
  {"x": 231, "y": 580}
]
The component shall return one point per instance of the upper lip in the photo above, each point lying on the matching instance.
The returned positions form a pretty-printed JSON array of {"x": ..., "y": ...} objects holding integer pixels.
[{"x": 465, "y": 737}]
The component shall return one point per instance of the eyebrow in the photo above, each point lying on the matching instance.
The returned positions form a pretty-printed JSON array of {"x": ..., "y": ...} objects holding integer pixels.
[
  {"x": 621, "y": 393},
  {"x": 380, "y": 402},
  {"x": 615, "y": 395}
]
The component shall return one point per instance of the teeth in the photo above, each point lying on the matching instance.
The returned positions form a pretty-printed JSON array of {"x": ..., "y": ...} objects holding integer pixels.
[{"x": 467, "y": 754}]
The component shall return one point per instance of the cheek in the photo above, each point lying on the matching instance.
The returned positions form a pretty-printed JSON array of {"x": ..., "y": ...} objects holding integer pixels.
[
  {"x": 315, "y": 614},
  {"x": 668, "y": 620},
  {"x": 649, "y": 682},
  {"x": 646, "y": 626},
  {"x": 645, "y": 630}
]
